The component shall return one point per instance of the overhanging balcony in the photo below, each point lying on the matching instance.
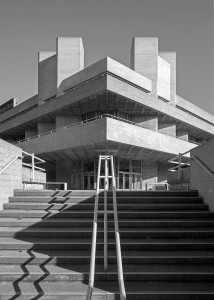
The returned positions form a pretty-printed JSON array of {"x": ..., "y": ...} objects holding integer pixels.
[{"x": 85, "y": 140}]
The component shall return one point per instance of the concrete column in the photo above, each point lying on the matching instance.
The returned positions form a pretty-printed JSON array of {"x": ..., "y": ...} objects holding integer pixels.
[
  {"x": 70, "y": 58},
  {"x": 170, "y": 57},
  {"x": 144, "y": 58},
  {"x": 163, "y": 83},
  {"x": 47, "y": 75},
  {"x": 30, "y": 132},
  {"x": 184, "y": 135},
  {"x": 167, "y": 128},
  {"x": 45, "y": 127},
  {"x": 149, "y": 173},
  {"x": 70, "y": 172},
  {"x": 64, "y": 120},
  {"x": 150, "y": 122},
  {"x": 163, "y": 171}
]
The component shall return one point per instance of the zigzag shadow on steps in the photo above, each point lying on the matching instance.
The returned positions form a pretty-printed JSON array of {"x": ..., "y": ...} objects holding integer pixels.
[{"x": 77, "y": 267}]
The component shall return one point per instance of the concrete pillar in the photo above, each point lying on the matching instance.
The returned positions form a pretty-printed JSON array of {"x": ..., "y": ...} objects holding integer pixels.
[
  {"x": 45, "y": 127},
  {"x": 144, "y": 58},
  {"x": 170, "y": 57},
  {"x": 149, "y": 173},
  {"x": 64, "y": 120},
  {"x": 167, "y": 128},
  {"x": 163, "y": 81},
  {"x": 69, "y": 171},
  {"x": 184, "y": 135},
  {"x": 150, "y": 122},
  {"x": 163, "y": 171},
  {"x": 47, "y": 75},
  {"x": 70, "y": 58},
  {"x": 30, "y": 132}
]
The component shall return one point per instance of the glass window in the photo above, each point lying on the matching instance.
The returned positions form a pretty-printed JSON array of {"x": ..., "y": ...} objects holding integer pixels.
[{"x": 136, "y": 168}]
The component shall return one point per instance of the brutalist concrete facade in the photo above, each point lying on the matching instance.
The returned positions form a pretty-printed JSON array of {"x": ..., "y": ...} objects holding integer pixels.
[{"x": 133, "y": 113}]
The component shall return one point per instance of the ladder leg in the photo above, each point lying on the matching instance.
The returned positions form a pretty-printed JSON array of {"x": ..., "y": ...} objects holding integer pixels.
[{"x": 105, "y": 218}]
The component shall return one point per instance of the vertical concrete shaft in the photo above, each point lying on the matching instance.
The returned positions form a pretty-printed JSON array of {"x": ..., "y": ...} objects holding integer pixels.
[
  {"x": 144, "y": 58},
  {"x": 70, "y": 57},
  {"x": 47, "y": 75},
  {"x": 170, "y": 57}
]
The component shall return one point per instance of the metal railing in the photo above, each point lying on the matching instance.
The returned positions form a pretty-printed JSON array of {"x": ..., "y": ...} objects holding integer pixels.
[
  {"x": 10, "y": 162},
  {"x": 45, "y": 184},
  {"x": 180, "y": 164},
  {"x": 34, "y": 160},
  {"x": 96, "y": 118},
  {"x": 117, "y": 235}
]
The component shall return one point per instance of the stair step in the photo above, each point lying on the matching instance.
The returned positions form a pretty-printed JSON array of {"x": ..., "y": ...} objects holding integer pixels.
[
  {"x": 82, "y": 232},
  {"x": 92, "y": 193},
  {"x": 121, "y": 215},
  {"x": 102, "y": 291},
  {"x": 171, "y": 273},
  {"x": 120, "y": 207},
  {"x": 120, "y": 199},
  {"x": 61, "y": 258},
  {"x": 126, "y": 244},
  {"x": 133, "y": 223}
]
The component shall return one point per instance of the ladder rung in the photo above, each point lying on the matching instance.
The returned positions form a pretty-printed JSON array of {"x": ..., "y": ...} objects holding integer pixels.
[
  {"x": 105, "y": 176},
  {"x": 108, "y": 211},
  {"x": 105, "y": 157}
]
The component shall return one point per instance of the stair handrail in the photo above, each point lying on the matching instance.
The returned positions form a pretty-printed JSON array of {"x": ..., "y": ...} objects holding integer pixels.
[
  {"x": 94, "y": 239},
  {"x": 10, "y": 162},
  {"x": 117, "y": 238},
  {"x": 33, "y": 163},
  {"x": 180, "y": 163},
  {"x": 117, "y": 235}
]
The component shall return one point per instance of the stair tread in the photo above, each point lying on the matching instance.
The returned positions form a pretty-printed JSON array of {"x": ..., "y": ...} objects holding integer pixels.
[
  {"x": 56, "y": 288},
  {"x": 127, "y": 268},
  {"x": 89, "y": 230},
  {"x": 86, "y": 253},
  {"x": 158, "y": 241}
]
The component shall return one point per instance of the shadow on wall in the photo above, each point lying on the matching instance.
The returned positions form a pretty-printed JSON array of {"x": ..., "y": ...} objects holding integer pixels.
[{"x": 76, "y": 243}]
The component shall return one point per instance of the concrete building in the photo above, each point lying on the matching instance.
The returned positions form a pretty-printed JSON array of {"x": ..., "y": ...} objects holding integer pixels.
[{"x": 81, "y": 112}]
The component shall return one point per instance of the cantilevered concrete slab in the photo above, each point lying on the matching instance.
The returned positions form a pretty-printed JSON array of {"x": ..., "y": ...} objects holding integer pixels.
[
  {"x": 109, "y": 134},
  {"x": 111, "y": 76}
]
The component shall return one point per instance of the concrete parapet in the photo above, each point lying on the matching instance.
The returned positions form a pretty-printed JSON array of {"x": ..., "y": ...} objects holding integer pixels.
[
  {"x": 183, "y": 135},
  {"x": 150, "y": 122},
  {"x": 45, "y": 127},
  {"x": 200, "y": 179},
  {"x": 167, "y": 128},
  {"x": 11, "y": 178}
]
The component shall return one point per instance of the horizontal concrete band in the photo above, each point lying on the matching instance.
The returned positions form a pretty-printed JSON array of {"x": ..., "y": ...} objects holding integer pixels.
[
  {"x": 101, "y": 131},
  {"x": 121, "y": 81}
]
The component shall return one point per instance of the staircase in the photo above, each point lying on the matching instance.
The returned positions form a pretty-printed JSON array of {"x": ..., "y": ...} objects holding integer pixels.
[{"x": 167, "y": 241}]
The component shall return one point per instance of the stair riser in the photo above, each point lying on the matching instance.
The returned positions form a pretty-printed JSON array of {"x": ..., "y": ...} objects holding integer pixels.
[
  {"x": 154, "y": 215},
  {"x": 64, "y": 261},
  {"x": 130, "y": 296},
  {"x": 86, "y": 234},
  {"x": 120, "y": 200},
  {"x": 85, "y": 193},
  {"x": 109, "y": 277},
  {"x": 122, "y": 224},
  {"x": 90, "y": 208},
  {"x": 81, "y": 246}
]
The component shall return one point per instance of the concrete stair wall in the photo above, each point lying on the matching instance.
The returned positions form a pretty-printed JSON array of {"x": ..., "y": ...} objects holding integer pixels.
[{"x": 167, "y": 241}]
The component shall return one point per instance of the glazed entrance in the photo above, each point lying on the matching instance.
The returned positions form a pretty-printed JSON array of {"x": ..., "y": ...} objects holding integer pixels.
[{"x": 128, "y": 174}]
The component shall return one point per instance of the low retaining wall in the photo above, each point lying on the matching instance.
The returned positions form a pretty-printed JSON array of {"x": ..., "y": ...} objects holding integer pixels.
[
  {"x": 11, "y": 178},
  {"x": 199, "y": 179}
]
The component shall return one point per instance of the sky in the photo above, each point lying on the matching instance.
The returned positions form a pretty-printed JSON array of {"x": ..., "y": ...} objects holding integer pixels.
[{"x": 107, "y": 28}]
